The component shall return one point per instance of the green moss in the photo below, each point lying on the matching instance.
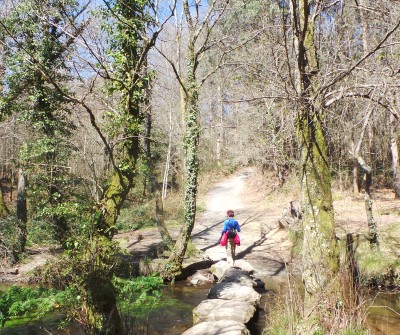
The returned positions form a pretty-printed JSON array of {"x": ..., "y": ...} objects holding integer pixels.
[
  {"x": 296, "y": 237},
  {"x": 191, "y": 250},
  {"x": 380, "y": 267}
]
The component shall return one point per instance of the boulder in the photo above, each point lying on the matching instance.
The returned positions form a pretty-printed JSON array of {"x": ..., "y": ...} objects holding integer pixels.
[
  {"x": 234, "y": 291},
  {"x": 245, "y": 266},
  {"x": 224, "y": 327},
  {"x": 201, "y": 277},
  {"x": 219, "y": 269},
  {"x": 219, "y": 309},
  {"x": 235, "y": 275}
]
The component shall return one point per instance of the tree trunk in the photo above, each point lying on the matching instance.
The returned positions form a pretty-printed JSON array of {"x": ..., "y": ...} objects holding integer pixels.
[
  {"x": 122, "y": 180},
  {"x": 100, "y": 304},
  {"x": 22, "y": 218},
  {"x": 395, "y": 155},
  {"x": 3, "y": 207},
  {"x": 320, "y": 257},
  {"x": 114, "y": 196},
  {"x": 372, "y": 225},
  {"x": 356, "y": 184},
  {"x": 191, "y": 141},
  {"x": 220, "y": 138},
  {"x": 167, "y": 160}
]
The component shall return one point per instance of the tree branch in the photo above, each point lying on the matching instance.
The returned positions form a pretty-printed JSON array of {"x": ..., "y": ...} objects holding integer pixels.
[{"x": 354, "y": 66}]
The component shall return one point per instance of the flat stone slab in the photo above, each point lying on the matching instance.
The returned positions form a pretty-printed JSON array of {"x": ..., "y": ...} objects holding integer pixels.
[
  {"x": 225, "y": 327},
  {"x": 235, "y": 275},
  {"x": 234, "y": 291},
  {"x": 201, "y": 277},
  {"x": 220, "y": 268},
  {"x": 245, "y": 266},
  {"x": 219, "y": 309}
]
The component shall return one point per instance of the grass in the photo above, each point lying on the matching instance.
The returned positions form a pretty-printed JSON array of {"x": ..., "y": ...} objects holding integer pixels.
[
  {"x": 381, "y": 267},
  {"x": 136, "y": 216},
  {"x": 340, "y": 318}
]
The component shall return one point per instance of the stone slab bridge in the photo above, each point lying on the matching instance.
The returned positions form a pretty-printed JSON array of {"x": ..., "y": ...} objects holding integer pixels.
[{"x": 231, "y": 303}]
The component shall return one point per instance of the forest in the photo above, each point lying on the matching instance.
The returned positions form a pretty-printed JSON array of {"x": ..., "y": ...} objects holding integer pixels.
[{"x": 112, "y": 111}]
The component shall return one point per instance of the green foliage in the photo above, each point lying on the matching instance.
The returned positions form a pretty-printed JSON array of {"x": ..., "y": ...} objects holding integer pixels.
[
  {"x": 126, "y": 46},
  {"x": 7, "y": 229},
  {"x": 38, "y": 43},
  {"x": 282, "y": 318},
  {"x": 138, "y": 296},
  {"x": 26, "y": 301},
  {"x": 77, "y": 221},
  {"x": 191, "y": 250},
  {"x": 136, "y": 216},
  {"x": 40, "y": 106},
  {"x": 85, "y": 270},
  {"x": 296, "y": 237}
]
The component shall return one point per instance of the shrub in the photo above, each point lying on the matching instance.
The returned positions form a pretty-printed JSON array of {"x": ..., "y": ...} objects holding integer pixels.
[{"x": 25, "y": 301}]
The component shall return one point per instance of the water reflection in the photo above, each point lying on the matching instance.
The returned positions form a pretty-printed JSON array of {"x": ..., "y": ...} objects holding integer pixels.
[
  {"x": 175, "y": 315},
  {"x": 384, "y": 313}
]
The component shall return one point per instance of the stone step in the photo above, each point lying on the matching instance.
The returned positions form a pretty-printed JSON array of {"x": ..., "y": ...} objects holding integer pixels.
[
  {"x": 220, "y": 309},
  {"x": 224, "y": 327},
  {"x": 231, "y": 303}
]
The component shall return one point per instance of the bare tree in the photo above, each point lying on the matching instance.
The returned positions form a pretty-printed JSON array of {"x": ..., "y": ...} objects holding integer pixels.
[{"x": 199, "y": 26}]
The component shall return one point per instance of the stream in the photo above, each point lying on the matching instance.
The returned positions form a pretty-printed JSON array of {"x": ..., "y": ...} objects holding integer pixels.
[{"x": 174, "y": 315}]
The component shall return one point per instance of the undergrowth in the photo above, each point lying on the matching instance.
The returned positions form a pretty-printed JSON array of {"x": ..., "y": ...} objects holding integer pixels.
[
  {"x": 28, "y": 302},
  {"x": 379, "y": 268}
]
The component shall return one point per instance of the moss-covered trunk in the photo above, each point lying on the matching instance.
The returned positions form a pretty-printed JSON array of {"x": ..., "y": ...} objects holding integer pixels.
[
  {"x": 190, "y": 141},
  {"x": 101, "y": 308},
  {"x": 119, "y": 185},
  {"x": 22, "y": 218},
  {"x": 319, "y": 253},
  {"x": 122, "y": 179},
  {"x": 320, "y": 258}
]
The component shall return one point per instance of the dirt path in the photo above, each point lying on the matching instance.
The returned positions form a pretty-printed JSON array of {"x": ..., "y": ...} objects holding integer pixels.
[
  {"x": 262, "y": 244},
  {"x": 257, "y": 204}
]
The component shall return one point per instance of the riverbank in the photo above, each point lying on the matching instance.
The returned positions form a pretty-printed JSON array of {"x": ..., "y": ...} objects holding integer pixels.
[{"x": 258, "y": 204}]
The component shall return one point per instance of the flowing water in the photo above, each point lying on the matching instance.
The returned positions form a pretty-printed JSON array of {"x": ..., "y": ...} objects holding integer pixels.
[
  {"x": 384, "y": 313},
  {"x": 174, "y": 314}
]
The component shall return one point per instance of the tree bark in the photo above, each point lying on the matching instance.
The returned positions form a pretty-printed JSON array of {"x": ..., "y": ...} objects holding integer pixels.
[
  {"x": 220, "y": 138},
  {"x": 22, "y": 218},
  {"x": 320, "y": 257},
  {"x": 356, "y": 184},
  {"x": 191, "y": 141},
  {"x": 3, "y": 207},
  {"x": 372, "y": 226},
  {"x": 119, "y": 185},
  {"x": 395, "y": 155},
  {"x": 167, "y": 160}
]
